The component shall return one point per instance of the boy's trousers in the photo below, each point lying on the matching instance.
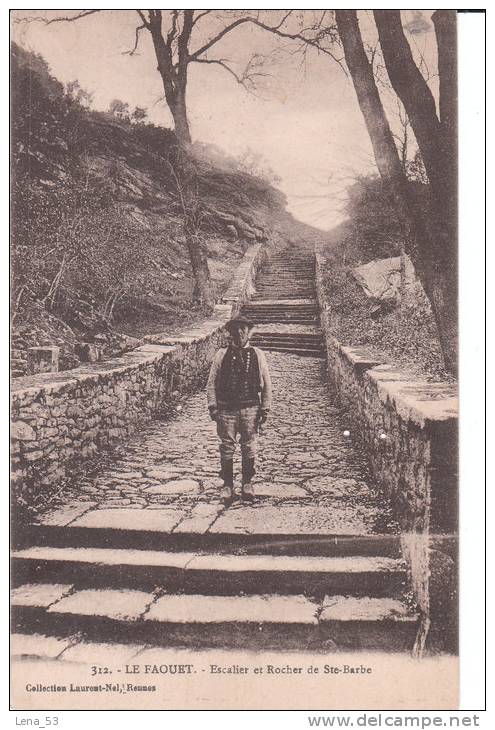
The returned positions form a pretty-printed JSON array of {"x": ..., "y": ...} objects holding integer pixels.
[{"x": 232, "y": 422}]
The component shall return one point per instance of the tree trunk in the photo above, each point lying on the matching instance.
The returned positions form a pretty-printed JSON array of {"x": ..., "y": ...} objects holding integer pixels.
[
  {"x": 442, "y": 293},
  {"x": 173, "y": 86},
  {"x": 402, "y": 288},
  {"x": 179, "y": 112},
  {"x": 437, "y": 141},
  {"x": 428, "y": 237},
  {"x": 410, "y": 86},
  {"x": 202, "y": 293}
]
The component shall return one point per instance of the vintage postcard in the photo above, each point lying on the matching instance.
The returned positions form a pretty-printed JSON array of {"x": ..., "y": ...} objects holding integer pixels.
[{"x": 234, "y": 359}]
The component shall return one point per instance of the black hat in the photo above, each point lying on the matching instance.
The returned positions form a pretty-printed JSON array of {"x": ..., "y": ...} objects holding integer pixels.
[{"x": 238, "y": 322}]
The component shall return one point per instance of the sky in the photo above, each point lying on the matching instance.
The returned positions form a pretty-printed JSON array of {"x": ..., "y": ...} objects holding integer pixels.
[{"x": 305, "y": 121}]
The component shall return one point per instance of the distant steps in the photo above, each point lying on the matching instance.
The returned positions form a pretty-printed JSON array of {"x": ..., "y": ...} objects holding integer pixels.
[{"x": 285, "y": 294}]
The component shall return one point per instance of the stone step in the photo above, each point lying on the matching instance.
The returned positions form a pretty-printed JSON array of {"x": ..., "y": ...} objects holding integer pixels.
[
  {"x": 268, "y": 343},
  {"x": 279, "y": 289},
  {"x": 295, "y": 270},
  {"x": 299, "y": 271},
  {"x": 287, "y": 339},
  {"x": 262, "y": 306},
  {"x": 279, "y": 302},
  {"x": 256, "y": 621},
  {"x": 299, "y": 278},
  {"x": 275, "y": 319},
  {"x": 289, "y": 264},
  {"x": 293, "y": 346},
  {"x": 279, "y": 331},
  {"x": 295, "y": 311},
  {"x": 295, "y": 279},
  {"x": 284, "y": 314},
  {"x": 294, "y": 350},
  {"x": 279, "y": 282},
  {"x": 129, "y": 529},
  {"x": 279, "y": 292},
  {"x": 279, "y": 313},
  {"x": 209, "y": 573}
]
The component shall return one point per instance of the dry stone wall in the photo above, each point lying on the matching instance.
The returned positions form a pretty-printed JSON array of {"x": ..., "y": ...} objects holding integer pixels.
[
  {"x": 409, "y": 429},
  {"x": 61, "y": 419}
]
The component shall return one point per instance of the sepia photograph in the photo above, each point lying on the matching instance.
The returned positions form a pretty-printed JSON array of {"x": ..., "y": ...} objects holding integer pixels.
[{"x": 234, "y": 359}]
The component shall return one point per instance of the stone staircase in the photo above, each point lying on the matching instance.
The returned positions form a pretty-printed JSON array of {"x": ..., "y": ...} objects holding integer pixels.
[
  {"x": 287, "y": 275},
  {"x": 146, "y": 557},
  {"x": 251, "y": 591},
  {"x": 284, "y": 306}
]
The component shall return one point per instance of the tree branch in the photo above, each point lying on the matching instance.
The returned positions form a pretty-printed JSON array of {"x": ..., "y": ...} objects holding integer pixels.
[
  {"x": 173, "y": 31},
  {"x": 143, "y": 19},
  {"x": 240, "y": 21},
  {"x": 61, "y": 19},
  {"x": 136, "y": 42},
  {"x": 247, "y": 78},
  {"x": 201, "y": 15},
  {"x": 316, "y": 42},
  {"x": 199, "y": 52},
  {"x": 184, "y": 37}
]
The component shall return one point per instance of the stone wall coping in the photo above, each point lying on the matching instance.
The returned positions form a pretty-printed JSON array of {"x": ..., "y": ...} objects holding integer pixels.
[
  {"x": 155, "y": 347},
  {"x": 66, "y": 380},
  {"x": 390, "y": 372},
  {"x": 359, "y": 356},
  {"x": 418, "y": 401},
  {"x": 221, "y": 314}
]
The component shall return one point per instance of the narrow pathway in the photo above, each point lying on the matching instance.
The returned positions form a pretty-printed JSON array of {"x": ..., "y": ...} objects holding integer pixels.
[
  {"x": 143, "y": 551},
  {"x": 310, "y": 476}
]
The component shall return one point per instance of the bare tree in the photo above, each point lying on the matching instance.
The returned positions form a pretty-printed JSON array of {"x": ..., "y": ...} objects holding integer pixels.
[
  {"x": 432, "y": 234},
  {"x": 173, "y": 34},
  {"x": 192, "y": 211}
]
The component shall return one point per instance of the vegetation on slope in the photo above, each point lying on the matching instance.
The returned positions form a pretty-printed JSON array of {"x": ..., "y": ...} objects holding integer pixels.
[
  {"x": 406, "y": 335},
  {"x": 99, "y": 219}
]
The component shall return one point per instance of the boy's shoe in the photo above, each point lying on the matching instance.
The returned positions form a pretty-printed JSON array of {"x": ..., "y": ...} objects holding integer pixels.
[
  {"x": 227, "y": 474},
  {"x": 227, "y": 495},
  {"x": 248, "y": 472},
  {"x": 247, "y": 492}
]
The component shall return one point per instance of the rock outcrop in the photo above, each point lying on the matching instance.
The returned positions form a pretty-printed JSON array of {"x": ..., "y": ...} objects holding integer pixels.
[{"x": 380, "y": 279}]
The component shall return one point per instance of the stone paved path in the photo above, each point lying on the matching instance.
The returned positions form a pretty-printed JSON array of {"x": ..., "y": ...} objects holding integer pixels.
[
  {"x": 142, "y": 553},
  {"x": 310, "y": 476}
]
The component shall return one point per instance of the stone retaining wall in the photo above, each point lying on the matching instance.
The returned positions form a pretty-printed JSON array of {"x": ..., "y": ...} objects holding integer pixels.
[
  {"x": 408, "y": 427},
  {"x": 409, "y": 430},
  {"x": 61, "y": 419}
]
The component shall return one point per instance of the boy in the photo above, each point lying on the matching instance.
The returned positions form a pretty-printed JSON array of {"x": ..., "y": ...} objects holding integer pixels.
[{"x": 239, "y": 394}]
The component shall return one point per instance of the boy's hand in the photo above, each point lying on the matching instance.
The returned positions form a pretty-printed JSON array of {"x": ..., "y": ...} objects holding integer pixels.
[
  {"x": 262, "y": 416},
  {"x": 213, "y": 412}
]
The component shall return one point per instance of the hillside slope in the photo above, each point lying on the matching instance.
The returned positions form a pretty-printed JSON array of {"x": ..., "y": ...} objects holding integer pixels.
[{"x": 98, "y": 220}]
